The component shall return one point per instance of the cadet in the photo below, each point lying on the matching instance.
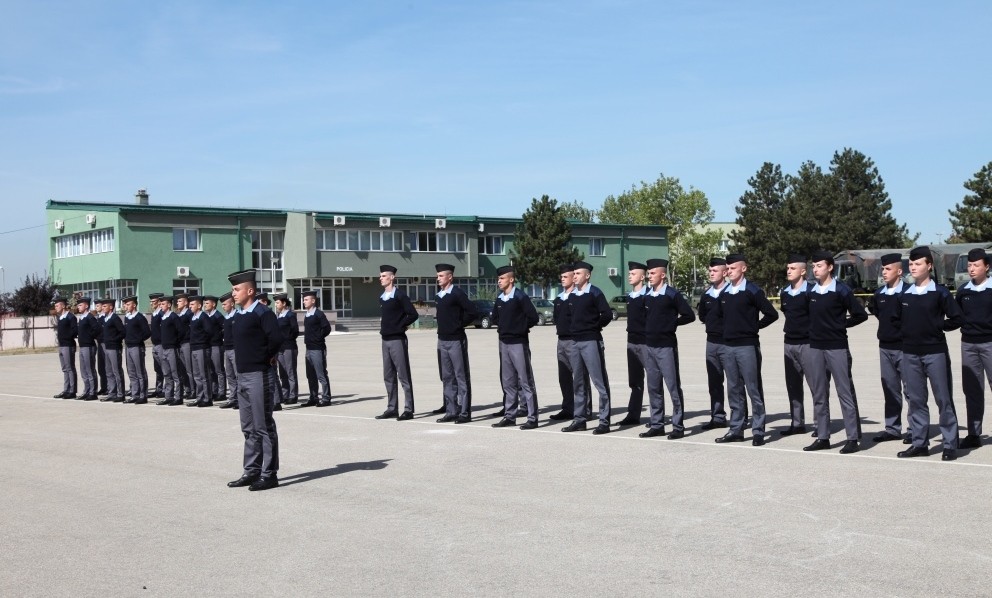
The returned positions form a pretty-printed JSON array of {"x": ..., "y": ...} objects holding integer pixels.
[
  {"x": 101, "y": 358},
  {"x": 200, "y": 332},
  {"x": 256, "y": 343},
  {"x": 230, "y": 386},
  {"x": 66, "y": 330},
  {"x": 590, "y": 313},
  {"x": 740, "y": 305},
  {"x": 397, "y": 313},
  {"x": 975, "y": 299},
  {"x": 716, "y": 349},
  {"x": 794, "y": 304},
  {"x": 665, "y": 310},
  {"x": 263, "y": 298},
  {"x": 833, "y": 309},
  {"x": 288, "y": 351},
  {"x": 156, "y": 332},
  {"x": 454, "y": 312},
  {"x": 185, "y": 354},
  {"x": 890, "y": 346},
  {"x": 113, "y": 339},
  {"x": 88, "y": 329},
  {"x": 563, "y": 326},
  {"x": 215, "y": 361},
  {"x": 315, "y": 330},
  {"x": 637, "y": 349},
  {"x": 136, "y": 332},
  {"x": 514, "y": 315},
  {"x": 172, "y": 329}
]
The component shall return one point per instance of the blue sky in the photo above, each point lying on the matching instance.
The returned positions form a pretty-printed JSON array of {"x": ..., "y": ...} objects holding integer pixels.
[{"x": 475, "y": 108}]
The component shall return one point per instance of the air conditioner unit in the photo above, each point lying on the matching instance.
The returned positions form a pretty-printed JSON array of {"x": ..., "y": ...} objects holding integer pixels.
[
  {"x": 384, "y": 221},
  {"x": 339, "y": 221},
  {"x": 182, "y": 271},
  {"x": 415, "y": 280},
  {"x": 60, "y": 225},
  {"x": 367, "y": 280},
  {"x": 612, "y": 271},
  {"x": 482, "y": 227},
  {"x": 440, "y": 223},
  {"x": 91, "y": 219}
]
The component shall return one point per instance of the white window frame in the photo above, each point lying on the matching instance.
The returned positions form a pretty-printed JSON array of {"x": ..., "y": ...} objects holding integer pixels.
[
  {"x": 488, "y": 245},
  {"x": 98, "y": 241},
  {"x": 185, "y": 247},
  {"x": 593, "y": 242}
]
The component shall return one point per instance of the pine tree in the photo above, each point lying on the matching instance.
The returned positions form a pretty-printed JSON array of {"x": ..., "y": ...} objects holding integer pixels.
[
  {"x": 542, "y": 243},
  {"x": 971, "y": 220},
  {"x": 759, "y": 213},
  {"x": 859, "y": 206},
  {"x": 35, "y": 296}
]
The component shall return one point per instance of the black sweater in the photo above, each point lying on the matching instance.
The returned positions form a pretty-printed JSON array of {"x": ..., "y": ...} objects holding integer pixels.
[
  {"x": 514, "y": 318},
  {"x": 795, "y": 308},
  {"x": 89, "y": 330},
  {"x": 315, "y": 330},
  {"x": 136, "y": 330},
  {"x": 455, "y": 311},
  {"x": 217, "y": 332},
  {"x": 977, "y": 309},
  {"x": 156, "y": 327},
  {"x": 831, "y": 314},
  {"x": 663, "y": 314},
  {"x": 711, "y": 316},
  {"x": 256, "y": 339},
  {"x": 396, "y": 315},
  {"x": 740, "y": 313},
  {"x": 889, "y": 335},
  {"x": 590, "y": 313},
  {"x": 113, "y": 332},
  {"x": 563, "y": 318},
  {"x": 229, "y": 332},
  {"x": 173, "y": 329},
  {"x": 66, "y": 330},
  {"x": 924, "y": 318},
  {"x": 186, "y": 317},
  {"x": 289, "y": 326},
  {"x": 637, "y": 319},
  {"x": 201, "y": 329}
]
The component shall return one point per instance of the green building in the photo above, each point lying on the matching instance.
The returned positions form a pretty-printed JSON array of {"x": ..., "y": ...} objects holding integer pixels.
[{"x": 115, "y": 250}]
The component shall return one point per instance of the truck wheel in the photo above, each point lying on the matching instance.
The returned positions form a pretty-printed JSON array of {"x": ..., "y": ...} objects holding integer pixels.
[
  {"x": 616, "y": 314},
  {"x": 486, "y": 323}
]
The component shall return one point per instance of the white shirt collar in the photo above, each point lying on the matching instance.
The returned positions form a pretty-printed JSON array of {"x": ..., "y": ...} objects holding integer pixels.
[
  {"x": 895, "y": 290},
  {"x": 446, "y": 291},
  {"x": 918, "y": 290},
  {"x": 636, "y": 294},
  {"x": 250, "y": 307},
  {"x": 660, "y": 291},
  {"x": 793, "y": 291},
  {"x": 819, "y": 289},
  {"x": 564, "y": 294},
  {"x": 733, "y": 290},
  {"x": 580, "y": 291},
  {"x": 504, "y": 298},
  {"x": 387, "y": 295},
  {"x": 715, "y": 292},
  {"x": 973, "y": 287}
]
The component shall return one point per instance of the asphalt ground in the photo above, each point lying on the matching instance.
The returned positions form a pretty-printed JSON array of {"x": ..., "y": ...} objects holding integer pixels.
[{"x": 103, "y": 499}]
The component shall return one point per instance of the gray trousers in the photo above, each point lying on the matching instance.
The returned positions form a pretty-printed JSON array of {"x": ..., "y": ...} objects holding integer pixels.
[
  {"x": 890, "y": 363},
  {"x": 136, "y": 372},
  {"x": 186, "y": 367},
  {"x": 587, "y": 359},
  {"x": 200, "y": 359},
  {"x": 115, "y": 374},
  {"x": 637, "y": 358},
  {"x": 564, "y": 349},
  {"x": 320, "y": 387},
  {"x": 216, "y": 371},
  {"x": 716, "y": 358},
  {"x": 795, "y": 372},
  {"x": 517, "y": 378},
  {"x": 916, "y": 370},
  {"x": 396, "y": 366},
  {"x": 743, "y": 367},
  {"x": 67, "y": 360},
  {"x": 289, "y": 384},
  {"x": 157, "y": 364},
  {"x": 255, "y": 404},
  {"x": 87, "y": 369},
  {"x": 452, "y": 361},
  {"x": 662, "y": 365},
  {"x": 822, "y": 365},
  {"x": 231, "y": 375},
  {"x": 172, "y": 386},
  {"x": 976, "y": 366}
]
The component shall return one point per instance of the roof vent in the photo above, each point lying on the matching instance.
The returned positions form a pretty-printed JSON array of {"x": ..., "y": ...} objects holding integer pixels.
[{"x": 141, "y": 197}]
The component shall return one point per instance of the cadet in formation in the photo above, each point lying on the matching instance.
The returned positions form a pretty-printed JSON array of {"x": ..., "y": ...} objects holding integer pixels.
[
  {"x": 136, "y": 332},
  {"x": 514, "y": 315},
  {"x": 88, "y": 330},
  {"x": 66, "y": 330},
  {"x": 589, "y": 313},
  {"x": 396, "y": 315},
  {"x": 289, "y": 326},
  {"x": 975, "y": 299},
  {"x": 454, "y": 312}
]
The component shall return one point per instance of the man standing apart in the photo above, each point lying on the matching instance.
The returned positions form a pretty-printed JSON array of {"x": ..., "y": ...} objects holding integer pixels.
[
  {"x": 397, "y": 314},
  {"x": 66, "y": 330},
  {"x": 590, "y": 314},
  {"x": 315, "y": 330},
  {"x": 113, "y": 341},
  {"x": 794, "y": 303},
  {"x": 136, "y": 332},
  {"x": 256, "y": 343},
  {"x": 716, "y": 349},
  {"x": 745, "y": 311},
  {"x": 514, "y": 315},
  {"x": 454, "y": 312},
  {"x": 887, "y": 298},
  {"x": 88, "y": 329},
  {"x": 833, "y": 309},
  {"x": 665, "y": 310},
  {"x": 637, "y": 348},
  {"x": 975, "y": 299}
]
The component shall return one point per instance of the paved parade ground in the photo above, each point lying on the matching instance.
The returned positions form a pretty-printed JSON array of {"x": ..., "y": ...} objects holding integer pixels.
[{"x": 104, "y": 499}]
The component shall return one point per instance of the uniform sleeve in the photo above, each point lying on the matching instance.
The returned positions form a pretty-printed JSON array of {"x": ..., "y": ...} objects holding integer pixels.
[
  {"x": 768, "y": 312},
  {"x": 952, "y": 311},
  {"x": 530, "y": 312},
  {"x": 273, "y": 337},
  {"x": 144, "y": 328},
  {"x": 410, "y": 314},
  {"x": 495, "y": 318},
  {"x": 703, "y": 309},
  {"x": 294, "y": 325},
  {"x": 469, "y": 311},
  {"x": 73, "y": 326},
  {"x": 325, "y": 324},
  {"x": 856, "y": 310},
  {"x": 603, "y": 307},
  {"x": 686, "y": 314}
]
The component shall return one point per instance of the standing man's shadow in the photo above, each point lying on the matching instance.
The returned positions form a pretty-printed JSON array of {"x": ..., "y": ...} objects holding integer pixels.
[{"x": 337, "y": 469}]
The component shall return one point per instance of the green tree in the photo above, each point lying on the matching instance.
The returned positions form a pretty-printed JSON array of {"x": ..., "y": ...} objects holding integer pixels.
[
  {"x": 573, "y": 210},
  {"x": 760, "y": 221},
  {"x": 859, "y": 206},
  {"x": 684, "y": 212},
  {"x": 35, "y": 296},
  {"x": 971, "y": 220},
  {"x": 542, "y": 243}
]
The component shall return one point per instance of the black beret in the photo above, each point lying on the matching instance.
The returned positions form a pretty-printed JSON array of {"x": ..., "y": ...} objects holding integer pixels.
[
  {"x": 796, "y": 258},
  {"x": 718, "y": 261},
  {"x": 262, "y": 296},
  {"x": 60, "y": 300},
  {"x": 181, "y": 296},
  {"x": 822, "y": 256},
  {"x": 130, "y": 298},
  {"x": 167, "y": 298},
  {"x": 733, "y": 258},
  {"x": 210, "y": 298},
  {"x": 657, "y": 263},
  {"x": 154, "y": 296},
  {"x": 310, "y": 293},
  {"x": 582, "y": 266},
  {"x": 196, "y": 298},
  {"x": 387, "y": 268},
  {"x": 636, "y": 266},
  {"x": 566, "y": 268},
  {"x": 280, "y": 297},
  {"x": 891, "y": 258},
  {"x": 444, "y": 268},
  {"x": 226, "y": 296},
  {"x": 920, "y": 252},
  {"x": 504, "y": 270},
  {"x": 107, "y": 301},
  {"x": 85, "y": 300},
  {"x": 978, "y": 254},
  {"x": 242, "y": 276}
]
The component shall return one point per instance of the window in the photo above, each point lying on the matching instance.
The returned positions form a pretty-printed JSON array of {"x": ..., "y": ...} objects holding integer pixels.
[
  {"x": 361, "y": 240},
  {"x": 267, "y": 258},
  {"x": 186, "y": 239},
  {"x": 596, "y": 247},
  {"x": 98, "y": 241},
  {"x": 190, "y": 286},
  {"x": 334, "y": 294},
  {"x": 427, "y": 241},
  {"x": 492, "y": 245}
]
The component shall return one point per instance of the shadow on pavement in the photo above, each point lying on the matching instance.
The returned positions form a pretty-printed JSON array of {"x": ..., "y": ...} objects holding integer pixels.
[{"x": 336, "y": 470}]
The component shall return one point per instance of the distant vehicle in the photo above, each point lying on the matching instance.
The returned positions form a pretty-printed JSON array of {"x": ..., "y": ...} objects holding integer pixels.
[
  {"x": 618, "y": 305},
  {"x": 485, "y": 309},
  {"x": 545, "y": 310}
]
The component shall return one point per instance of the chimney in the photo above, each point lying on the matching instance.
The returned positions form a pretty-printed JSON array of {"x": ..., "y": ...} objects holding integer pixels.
[{"x": 141, "y": 197}]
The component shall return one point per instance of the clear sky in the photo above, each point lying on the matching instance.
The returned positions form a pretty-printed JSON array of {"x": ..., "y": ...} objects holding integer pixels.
[{"x": 476, "y": 107}]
